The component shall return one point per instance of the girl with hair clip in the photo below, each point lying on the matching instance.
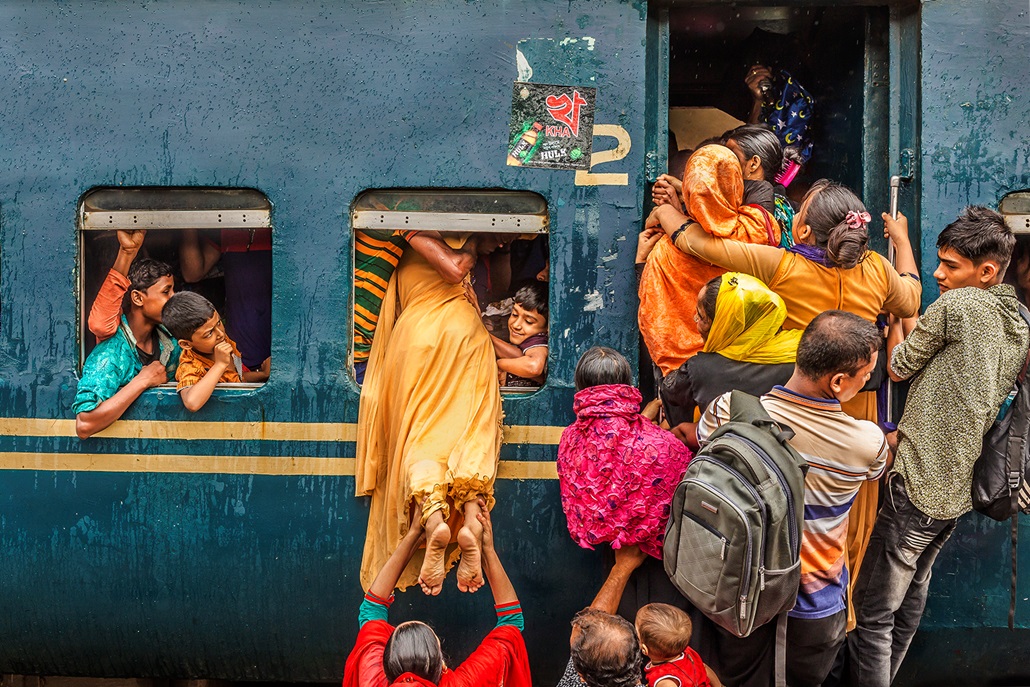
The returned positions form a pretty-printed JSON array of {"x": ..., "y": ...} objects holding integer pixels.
[
  {"x": 410, "y": 654},
  {"x": 762, "y": 158},
  {"x": 713, "y": 193},
  {"x": 829, "y": 268}
]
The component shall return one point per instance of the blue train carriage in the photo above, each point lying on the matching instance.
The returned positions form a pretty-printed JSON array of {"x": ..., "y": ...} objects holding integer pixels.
[{"x": 226, "y": 544}]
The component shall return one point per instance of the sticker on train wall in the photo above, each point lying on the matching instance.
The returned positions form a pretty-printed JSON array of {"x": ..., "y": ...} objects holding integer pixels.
[{"x": 551, "y": 126}]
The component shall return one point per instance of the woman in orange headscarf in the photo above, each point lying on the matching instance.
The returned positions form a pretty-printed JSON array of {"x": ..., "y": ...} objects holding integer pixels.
[{"x": 713, "y": 193}]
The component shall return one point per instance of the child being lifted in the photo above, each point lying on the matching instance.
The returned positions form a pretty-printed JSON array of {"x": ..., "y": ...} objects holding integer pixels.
[{"x": 209, "y": 357}]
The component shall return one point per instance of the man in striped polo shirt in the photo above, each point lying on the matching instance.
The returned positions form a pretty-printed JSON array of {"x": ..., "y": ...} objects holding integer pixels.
[
  {"x": 835, "y": 358},
  {"x": 376, "y": 255}
]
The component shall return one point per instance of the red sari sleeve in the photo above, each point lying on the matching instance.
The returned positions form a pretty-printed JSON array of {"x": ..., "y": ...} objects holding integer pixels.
[
  {"x": 500, "y": 660},
  {"x": 365, "y": 664}
]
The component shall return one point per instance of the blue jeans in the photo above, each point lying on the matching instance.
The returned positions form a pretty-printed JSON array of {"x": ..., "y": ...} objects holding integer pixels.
[{"x": 890, "y": 592}]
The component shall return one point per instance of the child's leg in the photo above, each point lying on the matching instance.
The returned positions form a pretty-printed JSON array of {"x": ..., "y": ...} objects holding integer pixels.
[
  {"x": 435, "y": 512},
  {"x": 470, "y": 541}
]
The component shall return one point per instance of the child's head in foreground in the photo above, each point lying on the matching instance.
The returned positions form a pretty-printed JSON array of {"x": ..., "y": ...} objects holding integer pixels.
[
  {"x": 529, "y": 313},
  {"x": 193, "y": 320},
  {"x": 664, "y": 631},
  {"x": 602, "y": 365},
  {"x": 974, "y": 250}
]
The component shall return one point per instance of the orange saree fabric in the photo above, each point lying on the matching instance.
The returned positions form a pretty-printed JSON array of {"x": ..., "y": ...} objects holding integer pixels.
[{"x": 713, "y": 190}]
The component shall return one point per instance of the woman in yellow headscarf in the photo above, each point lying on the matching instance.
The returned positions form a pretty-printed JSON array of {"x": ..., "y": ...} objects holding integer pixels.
[{"x": 740, "y": 320}]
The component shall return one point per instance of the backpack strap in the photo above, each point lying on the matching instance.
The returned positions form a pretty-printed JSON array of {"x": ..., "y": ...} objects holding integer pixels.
[
  {"x": 749, "y": 409},
  {"x": 780, "y": 651},
  {"x": 1015, "y": 567}
]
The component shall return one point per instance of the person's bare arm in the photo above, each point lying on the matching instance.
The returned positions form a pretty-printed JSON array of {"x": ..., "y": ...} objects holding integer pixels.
[
  {"x": 755, "y": 76},
  {"x": 196, "y": 257},
  {"x": 386, "y": 581},
  {"x": 450, "y": 263},
  {"x": 756, "y": 260},
  {"x": 627, "y": 559},
  {"x": 500, "y": 585},
  {"x": 531, "y": 365},
  {"x": 106, "y": 311},
  {"x": 260, "y": 375},
  {"x": 503, "y": 349},
  {"x": 686, "y": 432},
  {"x": 104, "y": 415},
  {"x": 194, "y": 397},
  {"x": 896, "y": 230},
  {"x": 129, "y": 243}
]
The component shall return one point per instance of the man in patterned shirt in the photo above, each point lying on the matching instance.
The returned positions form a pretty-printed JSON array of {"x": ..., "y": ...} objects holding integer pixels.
[{"x": 963, "y": 357}]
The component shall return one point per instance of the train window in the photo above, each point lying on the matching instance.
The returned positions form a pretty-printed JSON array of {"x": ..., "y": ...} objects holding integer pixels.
[
  {"x": 422, "y": 229},
  {"x": 1015, "y": 208},
  {"x": 217, "y": 242}
]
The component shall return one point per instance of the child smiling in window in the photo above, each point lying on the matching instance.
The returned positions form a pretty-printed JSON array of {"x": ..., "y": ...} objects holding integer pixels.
[{"x": 523, "y": 361}]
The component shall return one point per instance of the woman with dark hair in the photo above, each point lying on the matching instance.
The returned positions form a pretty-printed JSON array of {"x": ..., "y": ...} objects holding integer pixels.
[
  {"x": 410, "y": 653},
  {"x": 617, "y": 470},
  {"x": 761, "y": 159},
  {"x": 829, "y": 268}
]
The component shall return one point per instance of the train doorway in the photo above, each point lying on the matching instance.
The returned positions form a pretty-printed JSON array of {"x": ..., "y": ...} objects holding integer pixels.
[
  {"x": 833, "y": 61},
  {"x": 853, "y": 67}
]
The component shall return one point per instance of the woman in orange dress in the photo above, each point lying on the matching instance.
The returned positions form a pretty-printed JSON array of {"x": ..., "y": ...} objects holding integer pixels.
[
  {"x": 713, "y": 193},
  {"x": 429, "y": 424}
]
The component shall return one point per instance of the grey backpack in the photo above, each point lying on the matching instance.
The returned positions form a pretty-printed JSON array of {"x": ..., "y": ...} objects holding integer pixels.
[{"x": 733, "y": 540}]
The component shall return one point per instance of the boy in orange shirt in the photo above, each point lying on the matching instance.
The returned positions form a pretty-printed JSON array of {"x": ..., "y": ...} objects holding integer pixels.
[{"x": 209, "y": 357}]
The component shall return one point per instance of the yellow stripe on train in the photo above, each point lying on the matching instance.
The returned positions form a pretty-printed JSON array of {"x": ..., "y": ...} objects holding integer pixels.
[
  {"x": 233, "y": 465},
  {"x": 241, "y": 431}
]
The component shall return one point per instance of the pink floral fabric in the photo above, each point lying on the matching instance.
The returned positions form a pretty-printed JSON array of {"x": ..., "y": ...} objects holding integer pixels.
[{"x": 617, "y": 471}]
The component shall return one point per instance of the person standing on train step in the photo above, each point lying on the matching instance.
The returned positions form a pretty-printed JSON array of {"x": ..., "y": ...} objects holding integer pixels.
[
  {"x": 963, "y": 357},
  {"x": 835, "y": 357},
  {"x": 141, "y": 354},
  {"x": 410, "y": 653}
]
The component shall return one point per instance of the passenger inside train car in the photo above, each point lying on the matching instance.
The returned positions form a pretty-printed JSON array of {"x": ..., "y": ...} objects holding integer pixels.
[
  {"x": 121, "y": 225},
  {"x": 492, "y": 279}
]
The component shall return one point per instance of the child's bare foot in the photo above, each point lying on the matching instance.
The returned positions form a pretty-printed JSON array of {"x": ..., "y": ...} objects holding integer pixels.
[
  {"x": 470, "y": 541},
  {"x": 433, "y": 572}
]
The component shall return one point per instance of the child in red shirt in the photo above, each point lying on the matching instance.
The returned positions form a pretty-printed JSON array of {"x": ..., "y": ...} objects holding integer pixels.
[{"x": 664, "y": 632}]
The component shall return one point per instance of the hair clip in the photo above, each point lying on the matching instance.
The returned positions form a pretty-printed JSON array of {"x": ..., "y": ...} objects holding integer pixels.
[{"x": 857, "y": 220}]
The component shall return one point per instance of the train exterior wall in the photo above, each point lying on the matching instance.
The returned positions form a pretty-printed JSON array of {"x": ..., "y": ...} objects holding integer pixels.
[
  {"x": 227, "y": 544},
  {"x": 975, "y": 116}
]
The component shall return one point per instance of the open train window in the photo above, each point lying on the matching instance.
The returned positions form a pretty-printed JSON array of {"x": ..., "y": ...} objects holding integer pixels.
[
  {"x": 1015, "y": 208},
  {"x": 217, "y": 242},
  {"x": 418, "y": 233}
]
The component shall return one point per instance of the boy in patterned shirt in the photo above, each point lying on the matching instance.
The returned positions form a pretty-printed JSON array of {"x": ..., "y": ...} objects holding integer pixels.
[
  {"x": 209, "y": 357},
  {"x": 963, "y": 357}
]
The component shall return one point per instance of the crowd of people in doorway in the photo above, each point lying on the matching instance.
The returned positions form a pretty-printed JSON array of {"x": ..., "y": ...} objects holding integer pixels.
[{"x": 738, "y": 300}]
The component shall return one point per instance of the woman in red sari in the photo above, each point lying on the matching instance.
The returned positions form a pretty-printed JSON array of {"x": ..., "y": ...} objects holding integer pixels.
[{"x": 410, "y": 654}]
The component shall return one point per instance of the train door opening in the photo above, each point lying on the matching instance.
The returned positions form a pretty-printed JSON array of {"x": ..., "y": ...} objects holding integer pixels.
[{"x": 817, "y": 75}]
